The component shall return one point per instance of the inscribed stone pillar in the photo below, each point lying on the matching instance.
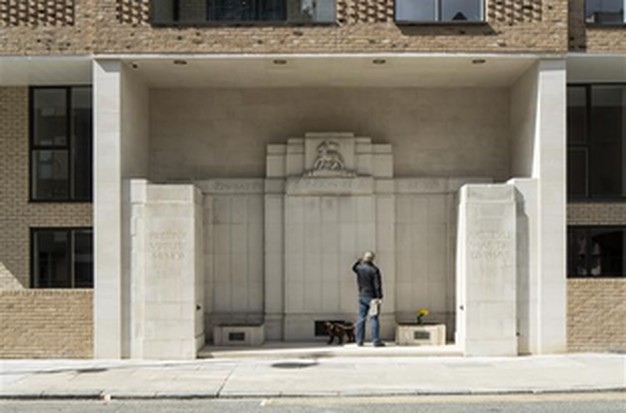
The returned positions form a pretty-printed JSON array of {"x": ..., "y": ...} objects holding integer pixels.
[
  {"x": 168, "y": 275},
  {"x": 486, "y": 271}
]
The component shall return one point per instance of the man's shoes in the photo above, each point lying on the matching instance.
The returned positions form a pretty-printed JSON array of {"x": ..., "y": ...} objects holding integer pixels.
[
  {"x": 379, "y": 344},
  {"x": 359, "y": 344}
]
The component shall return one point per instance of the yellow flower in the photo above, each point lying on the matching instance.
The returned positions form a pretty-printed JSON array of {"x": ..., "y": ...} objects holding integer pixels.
[{"x": 422, "y": 311}]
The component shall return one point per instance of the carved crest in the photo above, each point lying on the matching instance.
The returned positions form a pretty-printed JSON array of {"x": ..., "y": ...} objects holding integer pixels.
[{"x": 328, "y": 157}]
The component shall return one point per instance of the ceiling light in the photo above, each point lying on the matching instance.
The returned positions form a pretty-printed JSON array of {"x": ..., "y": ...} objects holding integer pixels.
[
  {"x": 479, "y": 61},
  {"x": 280, "y": 61},
  {"x": 180, "y": 62},
  {"x": 379, "y": 61}
]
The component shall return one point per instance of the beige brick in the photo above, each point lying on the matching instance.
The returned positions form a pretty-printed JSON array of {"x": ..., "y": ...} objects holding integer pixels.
[
  {"x": 46, "y": 324},
  {"x": 596, "y": 309}
]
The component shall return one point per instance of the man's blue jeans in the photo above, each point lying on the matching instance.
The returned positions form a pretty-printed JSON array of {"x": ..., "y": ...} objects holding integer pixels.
[{"x": 364, "y": 308}]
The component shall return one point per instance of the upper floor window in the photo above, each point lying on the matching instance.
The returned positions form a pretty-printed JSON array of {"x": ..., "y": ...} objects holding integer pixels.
[
  {"x": 242, "y": 11},
  {"x": 596, "y": 141},
  {"x": 62, "y": 258},
  {"x": 61, "y": 144},
  {"x": 423, "y": 11},
  {"x": 596, "y": 251},
  {"x": 605, "y": 12}
]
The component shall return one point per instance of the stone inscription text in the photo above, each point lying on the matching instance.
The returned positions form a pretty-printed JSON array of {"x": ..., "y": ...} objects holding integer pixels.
[
  {"x": 489, "y": 245},
  {"x": 167, "y": 246}
]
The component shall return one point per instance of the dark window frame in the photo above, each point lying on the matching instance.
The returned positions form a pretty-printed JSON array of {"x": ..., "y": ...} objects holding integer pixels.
[
  {"x": 588, "y": 198},
  {"x": 598, "y": 25},
  {"x": 70, "y": 249},
  {"x": 175, "y": 22},
  {"x": 439, "y": 22},
  {"x": 33, "y": 147},
  {"x": 588, "y": 229}
]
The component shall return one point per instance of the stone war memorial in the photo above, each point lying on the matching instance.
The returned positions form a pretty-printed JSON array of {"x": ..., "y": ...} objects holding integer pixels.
[{"x": 244, "y": 261}]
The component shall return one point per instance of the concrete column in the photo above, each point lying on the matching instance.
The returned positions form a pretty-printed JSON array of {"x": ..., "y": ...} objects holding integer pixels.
[
  {"x": 486, "y": 271},
  {"x": 549, "y": 167},
  {"x": 108, "y": 328}
]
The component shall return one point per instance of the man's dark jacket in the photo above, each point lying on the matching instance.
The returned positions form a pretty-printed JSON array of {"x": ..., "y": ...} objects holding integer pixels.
[{"x": 368, "y": 279}]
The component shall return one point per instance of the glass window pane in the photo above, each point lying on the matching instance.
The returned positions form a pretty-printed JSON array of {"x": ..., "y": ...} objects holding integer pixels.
[
  {"x": 82, "y": 143},
  {"x": 50, "y": 266},
  {"x": 607, "y": 140},
  {"x": 50, "y": 175},
  {"x": 50, "y": 117},
  {"x": 607, "y": 251},
  {"x": 302, "y": 11},
  {"x": 272, "y": 10},
  {"x": 163, "y": 11},
  {"x": 577, "y": 262},
  {"x": 577, "y": 171},
  {"x": 461, "y": 10},
  {"x": 576, "y": 114},
  {"x": 231, "y": 10},
  {"x": 604, "y": 11},
  {"x": 416, "y": 10},
  {"x": 83, "y": 259}
]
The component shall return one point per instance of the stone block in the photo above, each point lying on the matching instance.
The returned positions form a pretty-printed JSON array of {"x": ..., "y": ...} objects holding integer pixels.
[
  {"x": 416, "y": 335},
  {"x": 239, "y": 335}
]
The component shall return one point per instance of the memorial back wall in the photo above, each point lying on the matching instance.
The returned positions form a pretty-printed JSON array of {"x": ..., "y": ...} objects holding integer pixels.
[{"x": 219, "y": 133}]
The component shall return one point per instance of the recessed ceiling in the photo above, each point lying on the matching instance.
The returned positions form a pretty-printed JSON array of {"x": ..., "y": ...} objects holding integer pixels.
[{"x": 329, "y": 71}]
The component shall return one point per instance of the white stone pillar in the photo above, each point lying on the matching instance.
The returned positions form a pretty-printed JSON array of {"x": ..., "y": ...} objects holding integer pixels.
[
  {"x": 486, "y": 271},
  {"x": 108, "y": 282},
  {"x": 167, "y": 247},
  {"x": 527, "y": 265},
  {"x": 549, "y": 167}
]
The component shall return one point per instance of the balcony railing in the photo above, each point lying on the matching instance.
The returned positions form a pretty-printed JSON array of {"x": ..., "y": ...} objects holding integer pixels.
[{"x": 199, "y": 12}]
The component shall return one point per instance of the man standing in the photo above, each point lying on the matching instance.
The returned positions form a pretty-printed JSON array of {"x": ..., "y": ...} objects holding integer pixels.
[{"x": 370, "y": 295}]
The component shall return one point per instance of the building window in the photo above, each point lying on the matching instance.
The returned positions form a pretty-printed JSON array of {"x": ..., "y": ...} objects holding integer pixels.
[
  {"x": 61, "y": 143},
  {"x": 62, "y": 258},
  {"x": 605, "y": 12},
  {"x": 596, "y": 141},
  {"x": 423, "y": 11},
  {"x": 178, "y": 12},
  {"x": 596, "y": 251}
]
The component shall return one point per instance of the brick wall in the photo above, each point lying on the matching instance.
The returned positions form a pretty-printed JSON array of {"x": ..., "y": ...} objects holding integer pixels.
[
  {"x": 594, "y": 213},
  {"x": 583, "y": 38},
  {"x": 17, "y": 215},
  {"x": 122, "y": 26},
  {"x": 46, "y": 324},
  {"x": 596, "y": 310}
]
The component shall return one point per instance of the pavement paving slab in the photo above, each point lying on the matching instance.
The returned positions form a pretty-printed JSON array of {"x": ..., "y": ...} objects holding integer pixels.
[{"x": 249, "y": 377}]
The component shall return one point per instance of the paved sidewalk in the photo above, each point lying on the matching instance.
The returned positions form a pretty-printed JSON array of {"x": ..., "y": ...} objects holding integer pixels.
[{"x": 311, "y": 374}]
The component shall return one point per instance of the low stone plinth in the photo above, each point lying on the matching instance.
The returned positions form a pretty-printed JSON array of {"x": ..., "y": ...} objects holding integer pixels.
[
  {"x": 239, "y": 335},
  {"x": 422, "y": 334}
]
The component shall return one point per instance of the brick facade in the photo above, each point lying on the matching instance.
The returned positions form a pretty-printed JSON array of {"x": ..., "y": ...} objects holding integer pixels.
[
  {"x": 595, "y": 314},
  {"x": 46, "y": 324},
  {"x": 123, "y": 26},
  {"x": 592, "y": 39},
  {"x": 17, "y": 214},
  {"x": 596, "y": 213}
]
